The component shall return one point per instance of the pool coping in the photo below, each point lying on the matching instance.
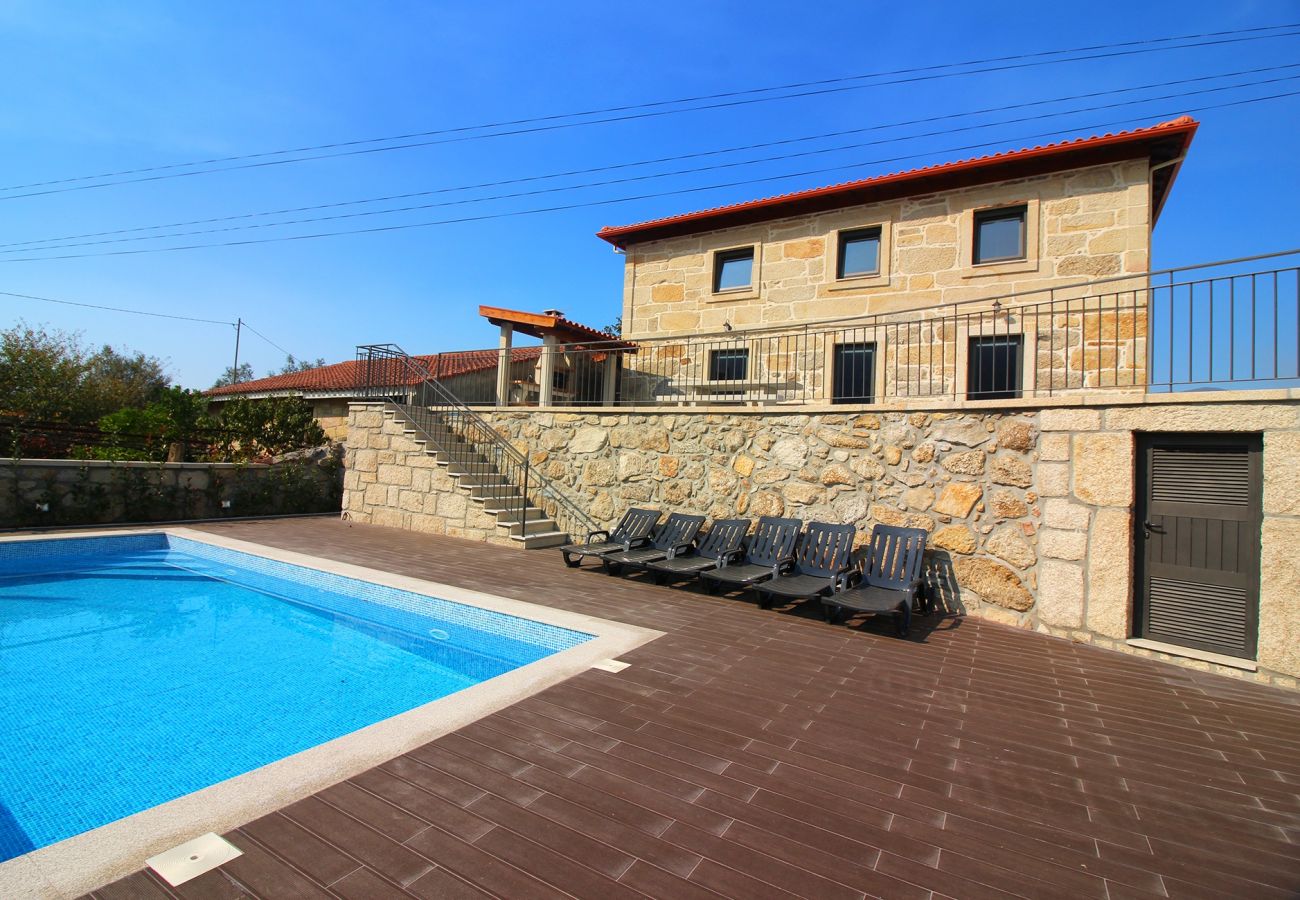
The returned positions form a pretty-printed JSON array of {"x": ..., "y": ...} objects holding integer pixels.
[{"x": 81, "y": 863}]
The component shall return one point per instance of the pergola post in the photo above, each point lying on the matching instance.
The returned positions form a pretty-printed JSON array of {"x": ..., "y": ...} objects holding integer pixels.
[
  {"x": 547, "y": 387},
  {"x": 503, "y": 364},
  {"x": 612, "y": 361}
]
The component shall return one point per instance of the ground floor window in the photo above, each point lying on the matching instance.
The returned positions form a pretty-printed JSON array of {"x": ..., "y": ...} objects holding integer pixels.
[
  {"x": 994, "y": 367},
  {"x": 854, "y": 373},
  {"x": 729, "y": 365}
]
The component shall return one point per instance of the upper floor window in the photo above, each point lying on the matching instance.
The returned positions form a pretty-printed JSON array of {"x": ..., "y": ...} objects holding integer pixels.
[
  {"x": 994, "y": 367},
  {"x": 859, "y": 253},
  {"x": 999, "y": 234},
  {"x": 733, "y": 269},
  {"x": 729, "y": 365}
]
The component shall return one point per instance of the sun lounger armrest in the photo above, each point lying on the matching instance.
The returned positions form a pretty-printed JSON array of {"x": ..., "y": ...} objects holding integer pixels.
[
  {"x": 591, "y": 536},
  {"x": 680, "y": 548},
  {"x": 846, "y": 580}
]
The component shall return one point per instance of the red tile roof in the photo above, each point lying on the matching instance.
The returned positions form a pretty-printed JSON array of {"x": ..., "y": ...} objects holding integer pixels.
[
  {"x": 539, "y": 324},
  {"x": 345, "y": 376},
  {"x": 1162, "y": 142}
]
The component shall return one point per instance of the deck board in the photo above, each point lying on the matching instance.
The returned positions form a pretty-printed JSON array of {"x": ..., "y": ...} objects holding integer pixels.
[{"x": 766, "y": 754}]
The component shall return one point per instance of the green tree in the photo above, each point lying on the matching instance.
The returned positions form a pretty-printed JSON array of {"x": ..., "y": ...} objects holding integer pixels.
[
  {"x": 48, "y": 376},
  {"x": 231, "y": 375},
  {"x": 271, "y": 426},
  {"x": 291, "y": 365},
  {"x": 41, "y": 374},
  {"x": 178, "y": 416},
  {"x": 121, "y": 380}
]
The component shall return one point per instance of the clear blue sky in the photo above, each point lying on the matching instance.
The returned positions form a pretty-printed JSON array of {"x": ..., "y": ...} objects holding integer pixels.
[{"x": 93, "y": 87}]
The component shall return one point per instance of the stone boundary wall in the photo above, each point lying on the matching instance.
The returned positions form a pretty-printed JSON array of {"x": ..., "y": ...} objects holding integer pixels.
[
  {"x": 96, "y": 492},
  {"x": 389, "y": 480},
  {"x": 1029, "y": 510}
]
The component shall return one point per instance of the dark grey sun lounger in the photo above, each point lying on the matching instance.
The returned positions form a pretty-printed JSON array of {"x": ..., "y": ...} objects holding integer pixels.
[
  {"x": 890, "y": 580},
  {"x": 767, "y": 554},
  {"x": 724, "y": 544},
  {"x": 674, "y": 536},
  {"x": 823, "y": 557},
  {"x": 632, "y": 531}
]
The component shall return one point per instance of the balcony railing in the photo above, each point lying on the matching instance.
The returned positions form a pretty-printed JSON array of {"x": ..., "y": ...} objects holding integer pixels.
[{"x": 1224, "y": 325}]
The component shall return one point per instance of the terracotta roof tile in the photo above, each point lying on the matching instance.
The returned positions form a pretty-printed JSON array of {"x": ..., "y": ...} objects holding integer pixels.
[
  {"x": 919, "y": 180},
  {"x": 345, "y": 375}
]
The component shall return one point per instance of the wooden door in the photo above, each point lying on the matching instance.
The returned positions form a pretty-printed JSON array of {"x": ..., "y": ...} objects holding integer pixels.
[{"x": 1198, "y": 526}]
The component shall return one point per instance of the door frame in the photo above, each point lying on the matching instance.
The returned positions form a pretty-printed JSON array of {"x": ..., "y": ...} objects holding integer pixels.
[{"x": 1144, "y": 441}]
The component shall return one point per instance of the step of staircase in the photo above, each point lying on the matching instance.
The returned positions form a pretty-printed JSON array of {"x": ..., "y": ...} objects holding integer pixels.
[
  {"x": 533, "y": 526},
  {"x": 542, "y": 541},
  {"x": 510, "y": 515},
  {"x": 494, "y": 491},
  {"x": 482, "y": 479}
]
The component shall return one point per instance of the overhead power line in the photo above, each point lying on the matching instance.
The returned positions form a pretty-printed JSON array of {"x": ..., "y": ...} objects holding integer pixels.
[
  {"x": 649, "y": 110},
  {"x": 144, "y": 312},
  {"x": 121, "y": 309},
  {"x": 28, "y": 246},
  {"x": 378, "y": 229},
  {"x": 268, "y": 340},
  {"x": 639, "y": 178}
]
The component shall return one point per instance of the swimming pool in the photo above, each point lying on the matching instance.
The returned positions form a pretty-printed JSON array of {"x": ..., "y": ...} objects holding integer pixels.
[{"x": 135, "y": 669}]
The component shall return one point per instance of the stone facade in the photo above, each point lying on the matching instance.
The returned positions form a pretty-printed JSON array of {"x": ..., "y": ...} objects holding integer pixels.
[
  {"x": 390, "y": 480},
  {"x": 54, "y": 492},
  {"x": 1029, "y": 509},
  {"x": 1080, "y": 225},
  {"x": 332, "y": 416},
  {"x": 1085, "y": 224}
]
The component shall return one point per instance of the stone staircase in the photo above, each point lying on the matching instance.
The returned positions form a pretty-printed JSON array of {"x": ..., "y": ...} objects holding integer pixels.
[{"x": 475, "y": 475}]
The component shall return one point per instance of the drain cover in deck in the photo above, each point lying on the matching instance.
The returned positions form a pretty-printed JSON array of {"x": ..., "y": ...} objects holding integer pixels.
[{"x": 192, "y": 858}]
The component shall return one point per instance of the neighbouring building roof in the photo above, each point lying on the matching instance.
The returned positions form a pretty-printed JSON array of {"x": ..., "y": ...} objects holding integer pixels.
[
  {"x": 342, "y": 378},
  {"x": 1160, "y": 143}
]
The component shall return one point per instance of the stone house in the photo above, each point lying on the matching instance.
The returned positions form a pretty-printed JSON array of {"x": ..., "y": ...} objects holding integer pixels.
[
  {"x": 968, "y": 349},
  {"x": 1006, "y": 227}
]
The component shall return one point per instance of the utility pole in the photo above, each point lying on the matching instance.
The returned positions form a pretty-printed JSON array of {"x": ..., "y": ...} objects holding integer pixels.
[{"x": 234, "y": 373}]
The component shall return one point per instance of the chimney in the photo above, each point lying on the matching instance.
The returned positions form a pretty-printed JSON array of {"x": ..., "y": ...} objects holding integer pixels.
[{"x": 558, "y": 313}]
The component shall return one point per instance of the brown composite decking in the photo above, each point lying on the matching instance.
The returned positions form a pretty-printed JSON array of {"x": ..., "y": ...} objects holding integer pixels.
[{"x": 764, "y": 754}]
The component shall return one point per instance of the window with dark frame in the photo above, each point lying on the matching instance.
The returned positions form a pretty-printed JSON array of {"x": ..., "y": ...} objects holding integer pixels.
[
  {"x": 1000, "y": 234},
  {"x": 733, "y": 269},
  {"x": 994, "y": 366},
  {"x": 858, "y": 253},
  {"x": 729, "y": 365},
  {"x": 854, "y": 374}
]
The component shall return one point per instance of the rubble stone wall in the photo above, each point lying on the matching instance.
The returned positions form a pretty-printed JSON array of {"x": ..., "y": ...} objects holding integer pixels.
[
  {"x": 38, "y": 493},
  {"x": 1029, "y": 511}
]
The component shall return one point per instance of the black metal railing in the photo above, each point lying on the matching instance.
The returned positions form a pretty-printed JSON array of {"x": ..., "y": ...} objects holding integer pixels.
[
  {"x": 1216, "y": 325},
  {"x": 487, "y": 464}
]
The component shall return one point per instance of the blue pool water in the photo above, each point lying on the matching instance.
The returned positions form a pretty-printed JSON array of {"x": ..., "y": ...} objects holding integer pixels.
[{"x": 137, "y": 669}]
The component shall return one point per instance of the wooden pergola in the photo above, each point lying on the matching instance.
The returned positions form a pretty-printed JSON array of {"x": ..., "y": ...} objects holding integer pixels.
[{"x": 554, "y": 331}]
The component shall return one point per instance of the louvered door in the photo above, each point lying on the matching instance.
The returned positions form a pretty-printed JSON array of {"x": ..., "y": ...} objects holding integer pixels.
[{"x": 1198, "y": 520}]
